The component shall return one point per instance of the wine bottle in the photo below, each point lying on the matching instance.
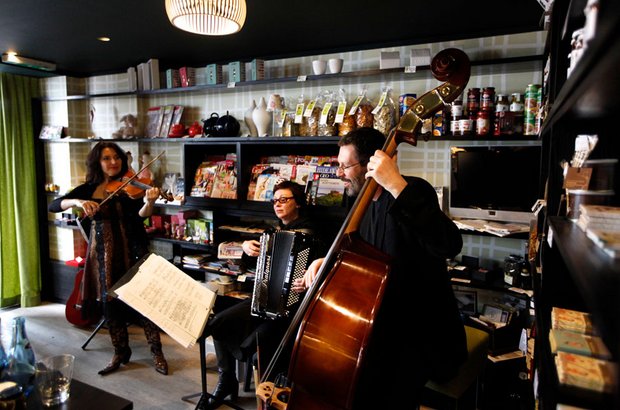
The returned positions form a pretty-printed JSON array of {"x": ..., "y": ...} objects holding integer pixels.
[{"x": 21, "y": 359}]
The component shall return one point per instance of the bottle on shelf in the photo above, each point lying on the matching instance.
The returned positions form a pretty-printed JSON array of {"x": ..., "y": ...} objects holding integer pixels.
[{"x": 21, "y": 358}]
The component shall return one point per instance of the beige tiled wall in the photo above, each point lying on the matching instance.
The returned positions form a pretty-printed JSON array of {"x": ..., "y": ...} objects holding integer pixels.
[{"x": 430, "y": 160}]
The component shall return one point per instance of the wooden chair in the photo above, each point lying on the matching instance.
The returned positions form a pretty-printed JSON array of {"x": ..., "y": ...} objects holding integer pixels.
[{"x": 454, "y": 390}]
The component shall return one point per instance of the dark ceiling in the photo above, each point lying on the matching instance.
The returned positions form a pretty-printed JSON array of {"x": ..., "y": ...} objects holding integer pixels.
[{"x": 65, "y": 31}]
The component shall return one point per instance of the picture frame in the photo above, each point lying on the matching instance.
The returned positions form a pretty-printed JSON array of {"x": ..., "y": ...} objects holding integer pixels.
[
  {"x": 51, "y": 132},
  {"x": 467, "y": 301}
]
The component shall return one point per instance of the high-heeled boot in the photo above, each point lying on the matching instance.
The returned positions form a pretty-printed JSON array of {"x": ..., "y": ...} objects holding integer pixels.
[
  {"x": 153, "y": 337},
  {"x": 120, "y": 341},
  {"x": 227, "y": 384}
]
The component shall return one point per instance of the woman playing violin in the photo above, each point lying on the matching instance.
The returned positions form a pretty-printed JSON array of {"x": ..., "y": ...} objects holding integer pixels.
[{"x": 117, "y": 240}]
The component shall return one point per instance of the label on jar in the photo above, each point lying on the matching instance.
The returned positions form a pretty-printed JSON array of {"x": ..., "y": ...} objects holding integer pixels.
[{"x": 482, "y": 124}]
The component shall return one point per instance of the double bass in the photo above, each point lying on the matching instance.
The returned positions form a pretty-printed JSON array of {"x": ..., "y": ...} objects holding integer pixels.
[{"x": 333, "y": 325}]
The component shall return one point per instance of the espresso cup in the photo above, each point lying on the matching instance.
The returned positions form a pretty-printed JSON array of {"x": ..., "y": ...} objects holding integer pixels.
[
  {"x": 319, "y": 67},
  {"x": 335, "y": 65}
]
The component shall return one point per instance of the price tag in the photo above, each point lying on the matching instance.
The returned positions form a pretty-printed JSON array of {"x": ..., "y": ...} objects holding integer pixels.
[
  {"x": 381, "y": 102},
  {"x": 356, "y": 104},
  {"x": 342, "y": 108},
  {"x": 280, "y": 121},
  {"x": 301, "y": 78},
  {"x": 325, "y": 113},
  {"x": 231, "y": 84},
  {"x": 309, "y": 108},
  {"x": 410, "y": 69},
  {"x": 299, "y": 111},
  {"x": 241, "y": 278}
]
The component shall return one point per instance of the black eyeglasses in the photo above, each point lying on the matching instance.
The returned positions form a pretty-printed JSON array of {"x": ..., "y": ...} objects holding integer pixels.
[
  {"x": 282, "y": 200},
  {"x": 343, "y": 167}
]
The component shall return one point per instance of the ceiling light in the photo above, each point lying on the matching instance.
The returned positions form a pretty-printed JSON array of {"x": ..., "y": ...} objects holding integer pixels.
[
  {"x": 12, "y": 58},
  {"x": 104, "y": 39},
  {"x": 208, "y": 17}
]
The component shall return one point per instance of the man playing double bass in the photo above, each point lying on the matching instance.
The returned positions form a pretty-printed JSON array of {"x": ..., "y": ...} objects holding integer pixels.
[{"x": 404, "y": 221}]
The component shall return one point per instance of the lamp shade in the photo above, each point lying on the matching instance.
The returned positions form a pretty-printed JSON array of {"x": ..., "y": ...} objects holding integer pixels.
[{"x": 207, "y": 17}]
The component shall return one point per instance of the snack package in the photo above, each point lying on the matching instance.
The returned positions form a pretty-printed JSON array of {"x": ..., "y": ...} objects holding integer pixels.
[
  {"x": 362, "y": 110},
  {"x": 326, "y": 126},
  {"x": 344, "y": 119},
  {"x": 385, "y": 114}
]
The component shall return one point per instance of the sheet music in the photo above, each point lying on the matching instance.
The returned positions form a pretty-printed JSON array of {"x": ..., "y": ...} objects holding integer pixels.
[{"x": 175, "y": 302}]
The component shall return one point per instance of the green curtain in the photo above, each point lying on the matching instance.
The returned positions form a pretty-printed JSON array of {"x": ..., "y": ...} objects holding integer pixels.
[{"x": 20, "y": 264}]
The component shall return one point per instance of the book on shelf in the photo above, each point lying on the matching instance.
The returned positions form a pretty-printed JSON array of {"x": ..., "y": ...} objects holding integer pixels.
[
  {"x": 225, "y": 181},
  {"x": 585, "y": 372},
  {"x": 166, "y": 121},
  {"x": 578, "y": 343},
  {"x": 153, "y": 124},
  {"x": 229, "y": 250},
  {"x": 153, "y": 69},
  {"x": 256, "y": 171},
  {"x": 163, "y": 293},
  {"x": 177, "y": 113},
  {"x": 600, "y": 211},
  {"x": 608, "y": 241},
  {"x": 572, "y": 320}
]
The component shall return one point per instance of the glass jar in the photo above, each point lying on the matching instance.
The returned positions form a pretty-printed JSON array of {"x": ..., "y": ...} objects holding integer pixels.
[
  {"x": 513, "y": 264},
  {"x": 502, "y": 103},
  {"x": 483, "y": 123}
]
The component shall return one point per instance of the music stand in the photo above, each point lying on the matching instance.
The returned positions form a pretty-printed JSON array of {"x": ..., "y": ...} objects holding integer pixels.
[{"x": 204, "y": 394}]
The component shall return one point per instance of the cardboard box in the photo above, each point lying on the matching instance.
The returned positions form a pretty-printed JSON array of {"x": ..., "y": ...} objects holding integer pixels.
[
  {"x": 236, "y": 72},
  {"x": 389, "y": 59},
  {"x": 257, "y": 70},
  {"x": 420, "y": 56},
  {"x": 214, "y": 74}
]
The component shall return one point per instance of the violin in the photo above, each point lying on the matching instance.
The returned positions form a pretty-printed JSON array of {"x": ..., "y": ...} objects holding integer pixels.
[{"x": 134, "y": 186}]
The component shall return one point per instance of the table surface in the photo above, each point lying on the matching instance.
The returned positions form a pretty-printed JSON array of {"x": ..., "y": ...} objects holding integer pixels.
[{"x": 84, "y": 396}]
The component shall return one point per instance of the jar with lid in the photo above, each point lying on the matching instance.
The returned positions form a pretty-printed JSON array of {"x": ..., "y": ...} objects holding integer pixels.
[
  {"x": 513, "y": 264},
  {"x": 487, "y": 99},
  {"x": 502, "y": 103},
  {"x": 473, "y": 101},
  {"x": 483, "y": 123},
  {"x": 516, "y": 102}
]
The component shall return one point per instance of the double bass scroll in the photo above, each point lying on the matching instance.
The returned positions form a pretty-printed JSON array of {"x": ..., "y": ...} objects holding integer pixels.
[{"x": 335, "y": 319}]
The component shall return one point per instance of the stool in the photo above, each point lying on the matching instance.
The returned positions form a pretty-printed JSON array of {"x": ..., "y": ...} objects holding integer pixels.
[{"x": 453, "y": 390}]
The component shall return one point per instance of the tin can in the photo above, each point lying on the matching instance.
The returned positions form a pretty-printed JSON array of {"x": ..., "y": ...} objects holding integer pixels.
[
  {"x": 531, "y": 107},
  {"x": 438, "y": 124},
  {"x": 405, "y": 101}
]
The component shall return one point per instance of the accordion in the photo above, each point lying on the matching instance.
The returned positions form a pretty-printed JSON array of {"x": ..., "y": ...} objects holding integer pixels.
[{"x": 284, "y": 256}]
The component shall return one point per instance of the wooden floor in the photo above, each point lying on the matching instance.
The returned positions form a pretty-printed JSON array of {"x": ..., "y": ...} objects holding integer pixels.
[{"x": 50, "y": 334}]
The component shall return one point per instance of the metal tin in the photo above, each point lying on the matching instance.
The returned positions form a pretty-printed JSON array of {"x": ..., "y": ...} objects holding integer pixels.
[
  {"x": 531, "y": 107},
  {"x": 405, "y": 101}
]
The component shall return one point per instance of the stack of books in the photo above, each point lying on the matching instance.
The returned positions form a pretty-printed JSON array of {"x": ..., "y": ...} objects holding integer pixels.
[
  {"x": 581, "y": 358},
  {"x": 602, "y": 225}
]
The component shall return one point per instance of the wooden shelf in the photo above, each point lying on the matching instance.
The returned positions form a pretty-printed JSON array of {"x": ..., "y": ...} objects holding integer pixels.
[{"x": 504, "y": 65}]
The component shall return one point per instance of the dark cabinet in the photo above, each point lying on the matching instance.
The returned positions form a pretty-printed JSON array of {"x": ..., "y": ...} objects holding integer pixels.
[{"x": 573, "y": 273}]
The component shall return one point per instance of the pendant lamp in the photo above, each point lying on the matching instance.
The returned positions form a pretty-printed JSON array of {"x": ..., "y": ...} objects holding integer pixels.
[{"x": 207, "y": 17}]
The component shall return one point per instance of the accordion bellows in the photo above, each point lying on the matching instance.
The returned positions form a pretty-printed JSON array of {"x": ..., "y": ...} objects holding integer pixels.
[{"x": 284, "y": 257}]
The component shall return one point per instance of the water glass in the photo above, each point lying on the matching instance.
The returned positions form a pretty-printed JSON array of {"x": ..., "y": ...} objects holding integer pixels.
[{"x": 53, "y": 379}]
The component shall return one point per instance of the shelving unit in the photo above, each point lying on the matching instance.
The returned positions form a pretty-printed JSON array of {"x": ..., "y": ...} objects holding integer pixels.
[{"x": 573, "y": 272}]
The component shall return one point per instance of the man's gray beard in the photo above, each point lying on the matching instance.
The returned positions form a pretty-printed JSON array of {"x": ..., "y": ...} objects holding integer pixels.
[{"x": 354, "y": 188}]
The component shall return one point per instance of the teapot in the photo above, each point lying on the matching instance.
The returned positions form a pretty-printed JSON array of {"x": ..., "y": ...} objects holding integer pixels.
[
  {"x": 227, "y": 126},
  {"x": 209, "y": 129}
]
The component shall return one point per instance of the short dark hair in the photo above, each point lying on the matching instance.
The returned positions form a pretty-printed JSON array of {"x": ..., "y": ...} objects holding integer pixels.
[
  {"x": 94, "y": 173},
  {"x": 296, "y": 189},
  {"x": 366, "y": 141}
]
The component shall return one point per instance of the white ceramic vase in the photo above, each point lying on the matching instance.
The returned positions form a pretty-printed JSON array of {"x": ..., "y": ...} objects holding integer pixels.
[
  {"x": 247, "y": 117},
  {"x": 262, "y": 118}
]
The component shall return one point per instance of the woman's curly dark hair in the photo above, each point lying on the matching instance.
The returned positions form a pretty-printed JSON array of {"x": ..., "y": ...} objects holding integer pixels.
[
  {"x": 94, "y": 173},
  {"x": 296, "y": 189}
]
